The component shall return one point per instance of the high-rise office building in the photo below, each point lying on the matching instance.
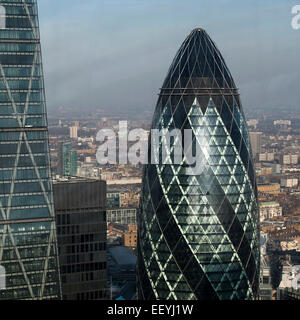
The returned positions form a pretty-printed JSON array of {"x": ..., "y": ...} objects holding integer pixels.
[
  {"x": 28, "y": 245},
  {"x": 198, "y": 233},
  {"x": 255, "y": 141},
  {"x": 80, "y": 207},
  {"x": 67, "y": 160},
  {"x": 74, "y": 132}
]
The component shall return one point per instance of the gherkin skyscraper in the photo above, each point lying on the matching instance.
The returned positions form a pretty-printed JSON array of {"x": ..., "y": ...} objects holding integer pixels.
[
  {"x": 28, "y": 248},
  {"x": 198, "y": 232}
]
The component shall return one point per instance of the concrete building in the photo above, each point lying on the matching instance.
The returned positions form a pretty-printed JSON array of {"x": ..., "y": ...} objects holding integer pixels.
[
  {"x": 89, "y": 170},
  {"x": 252, "y": 123},
  {"x": 113, "y": 200},
  {"x": 265, "y": 288},
  {"x": 290, "y": 277},
  {"x": 267, "y": 156},
  {"x": 74, "y": 132},
  {"x": 273, "y": 188},
  {"x": 289, "y": 159},
  {"x": 122, "y": 215},
  {"x": 269, "y": 210},
  {"x": 289, "y": 182},
  {"x": 276, "y": 168},
  {"x": 81, "y": 227},
  {"x": 282, "y": 122},
  {"x": 130, "y": 237},
  {"x": 264, "y": 171},
  {"x": 293, "y": 244},
  {"x": 255, "y": 140}
]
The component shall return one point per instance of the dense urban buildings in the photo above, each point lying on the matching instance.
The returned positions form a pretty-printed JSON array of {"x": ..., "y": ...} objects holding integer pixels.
[
  {"x": 28, "y": 245},
  {"x": 80, "y": 208},
  {"x": 198, "y": 232}
]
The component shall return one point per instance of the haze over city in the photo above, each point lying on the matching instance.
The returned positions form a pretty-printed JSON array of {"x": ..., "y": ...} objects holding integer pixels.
[
  {"x": 166, "y": 165},
  {"x": 99, "y": 54}
]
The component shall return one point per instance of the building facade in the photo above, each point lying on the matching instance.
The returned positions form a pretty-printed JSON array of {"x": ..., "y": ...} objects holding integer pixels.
[
  {"x": 289, "y": 159},
  {"x": 67, "y": 160},
  {"x": 28, "y": 245},
  {"x": 265, "y": 288},
  {"x": 130, "y": 237},
  {"x": 255, "y": 140},
  {"x": 122, "y": 215},
  {"x": 290, "y": 277},
  {"x": 288, "y": 294},
  {"x": 267, "y": 156},
  {"x": 198, "y": 232},
  {"x": 74, "y": 132},
  {"x": 81, "y": 228},
  {"x": 113, "y": 200},
  {"x": 269, "y": 210},
  {"x": 289, "y": 182},
  {"x": 273, "y": 188}
]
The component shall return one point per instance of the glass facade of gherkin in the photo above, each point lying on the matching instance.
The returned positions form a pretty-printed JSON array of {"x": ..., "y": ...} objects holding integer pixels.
[
  {"x": 198, "y": 234},
  {"x": 28, "y": 246}
]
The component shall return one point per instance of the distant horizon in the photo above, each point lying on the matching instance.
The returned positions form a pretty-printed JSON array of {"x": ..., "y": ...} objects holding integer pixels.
[
  {"x": 76, "y": 113},
  {"x": 111, "y": 56}
]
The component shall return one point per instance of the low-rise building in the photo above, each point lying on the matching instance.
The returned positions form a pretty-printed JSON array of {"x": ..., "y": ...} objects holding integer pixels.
[
  {"x": 288, "y": 159},
  {"x": 276, "y": 168},
  {"x": 269, "y": 188},
  {"x": 269, "y": 210},
  {"x": 130, "y": 236},
  {"x": 290, "y": 277},
  {"x": 122, "y": 215},
  {"x": 267, "y": 156},
  {"x": 289, "y": 182},
  {"x": 264, "y": 171},
  {"x": 290, "y": 245}
]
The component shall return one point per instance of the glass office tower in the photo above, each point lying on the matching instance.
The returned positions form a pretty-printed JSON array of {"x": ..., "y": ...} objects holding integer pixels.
[
  {"x": 67, "y": 160},
  {"x": 198, "y": 229},
  {"x": 28, "y": 245}
]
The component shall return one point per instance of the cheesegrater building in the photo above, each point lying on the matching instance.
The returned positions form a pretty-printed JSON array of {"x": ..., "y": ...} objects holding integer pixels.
[
  {"x": 198, "y": 234},
  {"x": 28, "y": 245}
]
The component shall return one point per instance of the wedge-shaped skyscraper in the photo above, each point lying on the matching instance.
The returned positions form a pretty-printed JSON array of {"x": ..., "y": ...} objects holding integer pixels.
[
  {"x": 198, "y": 226},
  {"x": 28, "y": 248}
]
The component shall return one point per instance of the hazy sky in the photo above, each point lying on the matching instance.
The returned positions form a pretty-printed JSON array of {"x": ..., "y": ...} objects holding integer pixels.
[{"x": 111, "y": 54}]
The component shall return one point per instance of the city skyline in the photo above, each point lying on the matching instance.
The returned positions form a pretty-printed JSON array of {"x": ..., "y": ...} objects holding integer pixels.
[
  {"x": 126, "y": 45},
  {"x": 100, "y": 204}
]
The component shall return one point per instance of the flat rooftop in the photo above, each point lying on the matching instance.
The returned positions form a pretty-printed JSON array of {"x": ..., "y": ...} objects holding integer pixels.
[{"x": 122, "y": 256}]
